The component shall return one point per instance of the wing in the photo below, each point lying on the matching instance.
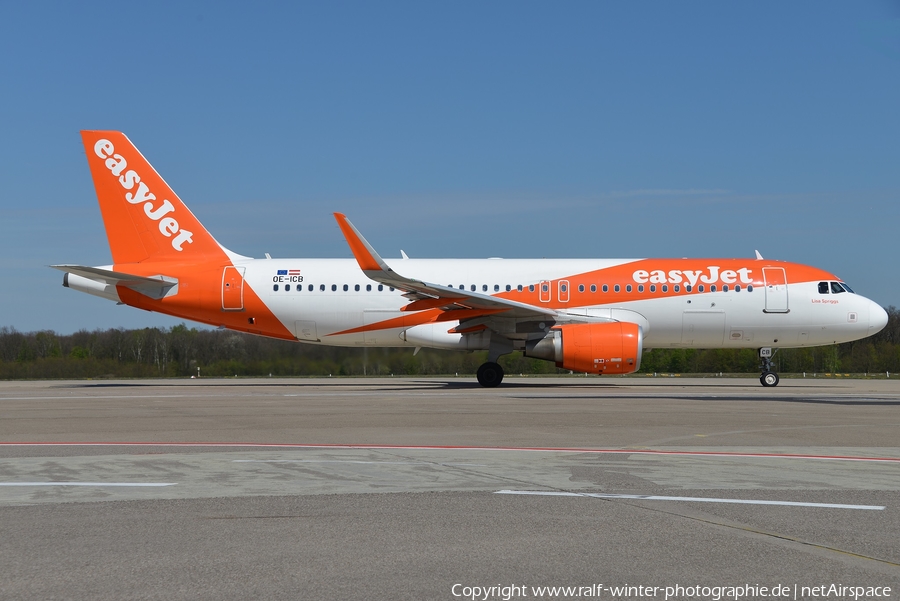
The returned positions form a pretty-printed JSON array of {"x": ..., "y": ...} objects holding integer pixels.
[{"x": 425, "y": 295}]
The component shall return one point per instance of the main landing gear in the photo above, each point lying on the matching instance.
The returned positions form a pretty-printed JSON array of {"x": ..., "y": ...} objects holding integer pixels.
[
  {"x": 768, "y": 378},
  {"x": 490, "y": 374}
]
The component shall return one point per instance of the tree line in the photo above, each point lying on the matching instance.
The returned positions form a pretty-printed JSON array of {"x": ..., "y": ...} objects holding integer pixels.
[{"x": 181, "y": 351}]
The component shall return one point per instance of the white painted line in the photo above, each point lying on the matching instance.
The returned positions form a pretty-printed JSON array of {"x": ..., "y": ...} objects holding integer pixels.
[
  {"x": 328, "y": 461},
  {"x": 696, "y": 499},
  {"x": 112, "y": 396},
  {"x": 355, "y": 461},
  {"x": 88, "y": 483}
]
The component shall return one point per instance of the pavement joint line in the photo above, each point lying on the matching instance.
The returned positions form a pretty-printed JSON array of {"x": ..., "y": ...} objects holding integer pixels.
[
  {"x": 624, "y": 451},
  {"x": 773, "y": 535}
]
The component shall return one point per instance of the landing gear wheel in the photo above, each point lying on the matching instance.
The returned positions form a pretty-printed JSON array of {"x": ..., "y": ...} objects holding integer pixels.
[
  {"x": 768, "y": 379},
  {"x": 490, "y": 374}
]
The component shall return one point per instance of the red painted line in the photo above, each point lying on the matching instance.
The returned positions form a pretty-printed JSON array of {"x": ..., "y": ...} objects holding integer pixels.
[{"x": 451, "y": 448}]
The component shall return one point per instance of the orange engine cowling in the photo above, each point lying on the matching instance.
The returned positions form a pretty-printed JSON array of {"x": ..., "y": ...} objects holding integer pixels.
[{"x": 594, "y": 348}]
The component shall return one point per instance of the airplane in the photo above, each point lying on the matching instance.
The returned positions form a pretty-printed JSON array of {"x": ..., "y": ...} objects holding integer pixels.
[{"x": 595, "y": 316}]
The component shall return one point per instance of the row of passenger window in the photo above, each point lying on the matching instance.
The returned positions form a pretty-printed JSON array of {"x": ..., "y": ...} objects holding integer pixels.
[
  {"x": 652, "y": 288},
  {"x": 334, "y": 287},
  {"x": 563, "y": 288}
]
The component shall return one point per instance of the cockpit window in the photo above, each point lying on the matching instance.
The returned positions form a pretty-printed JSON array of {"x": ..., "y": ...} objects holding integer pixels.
[
  {"x": 823, "y": 287},
  {"x": 847, "y": 288},
  {"x": 836, "y": 288}
]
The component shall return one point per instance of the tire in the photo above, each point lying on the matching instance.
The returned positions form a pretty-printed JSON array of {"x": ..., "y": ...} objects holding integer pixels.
[
  {"x": 769, "y": 379},
  {"x": 490, "y": 374}
]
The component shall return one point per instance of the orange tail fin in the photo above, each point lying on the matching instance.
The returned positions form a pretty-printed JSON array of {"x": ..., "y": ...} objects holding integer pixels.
[{"x": 144, "y": 218}]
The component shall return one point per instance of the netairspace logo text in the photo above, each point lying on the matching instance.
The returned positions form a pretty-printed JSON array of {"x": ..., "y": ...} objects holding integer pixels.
[{"x": 710, "y": 593}]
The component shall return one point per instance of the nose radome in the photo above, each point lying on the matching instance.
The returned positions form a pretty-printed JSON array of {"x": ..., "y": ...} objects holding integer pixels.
[{"x": 878, "y": 317}]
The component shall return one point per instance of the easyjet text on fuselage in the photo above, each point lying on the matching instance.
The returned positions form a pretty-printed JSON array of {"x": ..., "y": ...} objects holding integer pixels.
[{"x": 712, "y": 275}]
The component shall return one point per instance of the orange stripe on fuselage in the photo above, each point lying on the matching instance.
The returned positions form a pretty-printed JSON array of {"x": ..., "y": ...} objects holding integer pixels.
[
  {"x": 422, "y": 317},
  {"x": 660, "y": 272},
  {"x": 199, "y": 298}
]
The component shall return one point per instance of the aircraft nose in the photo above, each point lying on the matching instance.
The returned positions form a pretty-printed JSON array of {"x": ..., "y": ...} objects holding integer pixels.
[{"x": 878, "y": 318}]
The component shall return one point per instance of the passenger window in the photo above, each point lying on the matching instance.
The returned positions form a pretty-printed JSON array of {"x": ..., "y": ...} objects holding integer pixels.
[
  {"x": 700, "y": 288},
  {"x": 665, "y": 288},
  {"x": 593, "y": 287},
  {"x": 484, "y": 288},
  {"x": 724, "y": 287},
  {"x": 737, "y": 287},
  {"x": 287, "y": 287},
  {"x": 346, "y": 287},
  {"x": 580, "y": 287},
  {"x": 356, "y": 287},
  {"x": 380, "y": 287},
  {"x": 616, "y": 288},
  {"x": 508, "y": 287},
  {"x": 652, "y": 287},
  {"x": 531, "y": 288},
  {"x": 310, "y": 288},
  {"x": 749, "y": 287},
  {"x": 823, "y": 287},
  {"x": 687, "y": 288},
  {"x": 334, "y": 287},
  {"x": 472, "y": 288},
  {"x": 605, "y": 288},
  {"x": 275, "y": 287},
  {"x": 368, "y": 287},
  {"x": 677, "y": 288},
  {"x": 640, "y": 287},
  {"x": 322, "y": 287},
  {"x": 519, "y": 287},
  {"x": 712, "y": 288},
  {"x": 496, "y": 287},
  {"x": 836, "y": 288},
  {"x": 628, "y": 288}
]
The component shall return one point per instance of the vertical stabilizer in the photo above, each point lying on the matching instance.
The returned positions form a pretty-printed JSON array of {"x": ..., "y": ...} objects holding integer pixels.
[{"x": 144, "y": 218}]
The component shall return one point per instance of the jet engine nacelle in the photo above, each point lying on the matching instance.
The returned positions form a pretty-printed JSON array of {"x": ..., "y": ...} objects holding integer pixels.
[{"x": 594, "y": 348}]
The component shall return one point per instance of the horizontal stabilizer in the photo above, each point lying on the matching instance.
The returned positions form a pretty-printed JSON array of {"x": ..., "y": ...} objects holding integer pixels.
[{"x": 156, "y": 287}]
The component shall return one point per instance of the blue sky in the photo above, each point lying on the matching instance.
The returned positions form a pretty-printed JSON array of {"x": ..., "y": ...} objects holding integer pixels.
[{"x": 458, "y": 129}]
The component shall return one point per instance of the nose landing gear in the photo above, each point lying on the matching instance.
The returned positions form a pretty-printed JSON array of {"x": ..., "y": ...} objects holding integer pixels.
[{"x": 768, "y": 378}]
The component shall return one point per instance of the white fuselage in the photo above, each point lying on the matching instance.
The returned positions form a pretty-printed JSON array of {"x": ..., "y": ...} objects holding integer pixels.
[{"x": 333, "y": 295}]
